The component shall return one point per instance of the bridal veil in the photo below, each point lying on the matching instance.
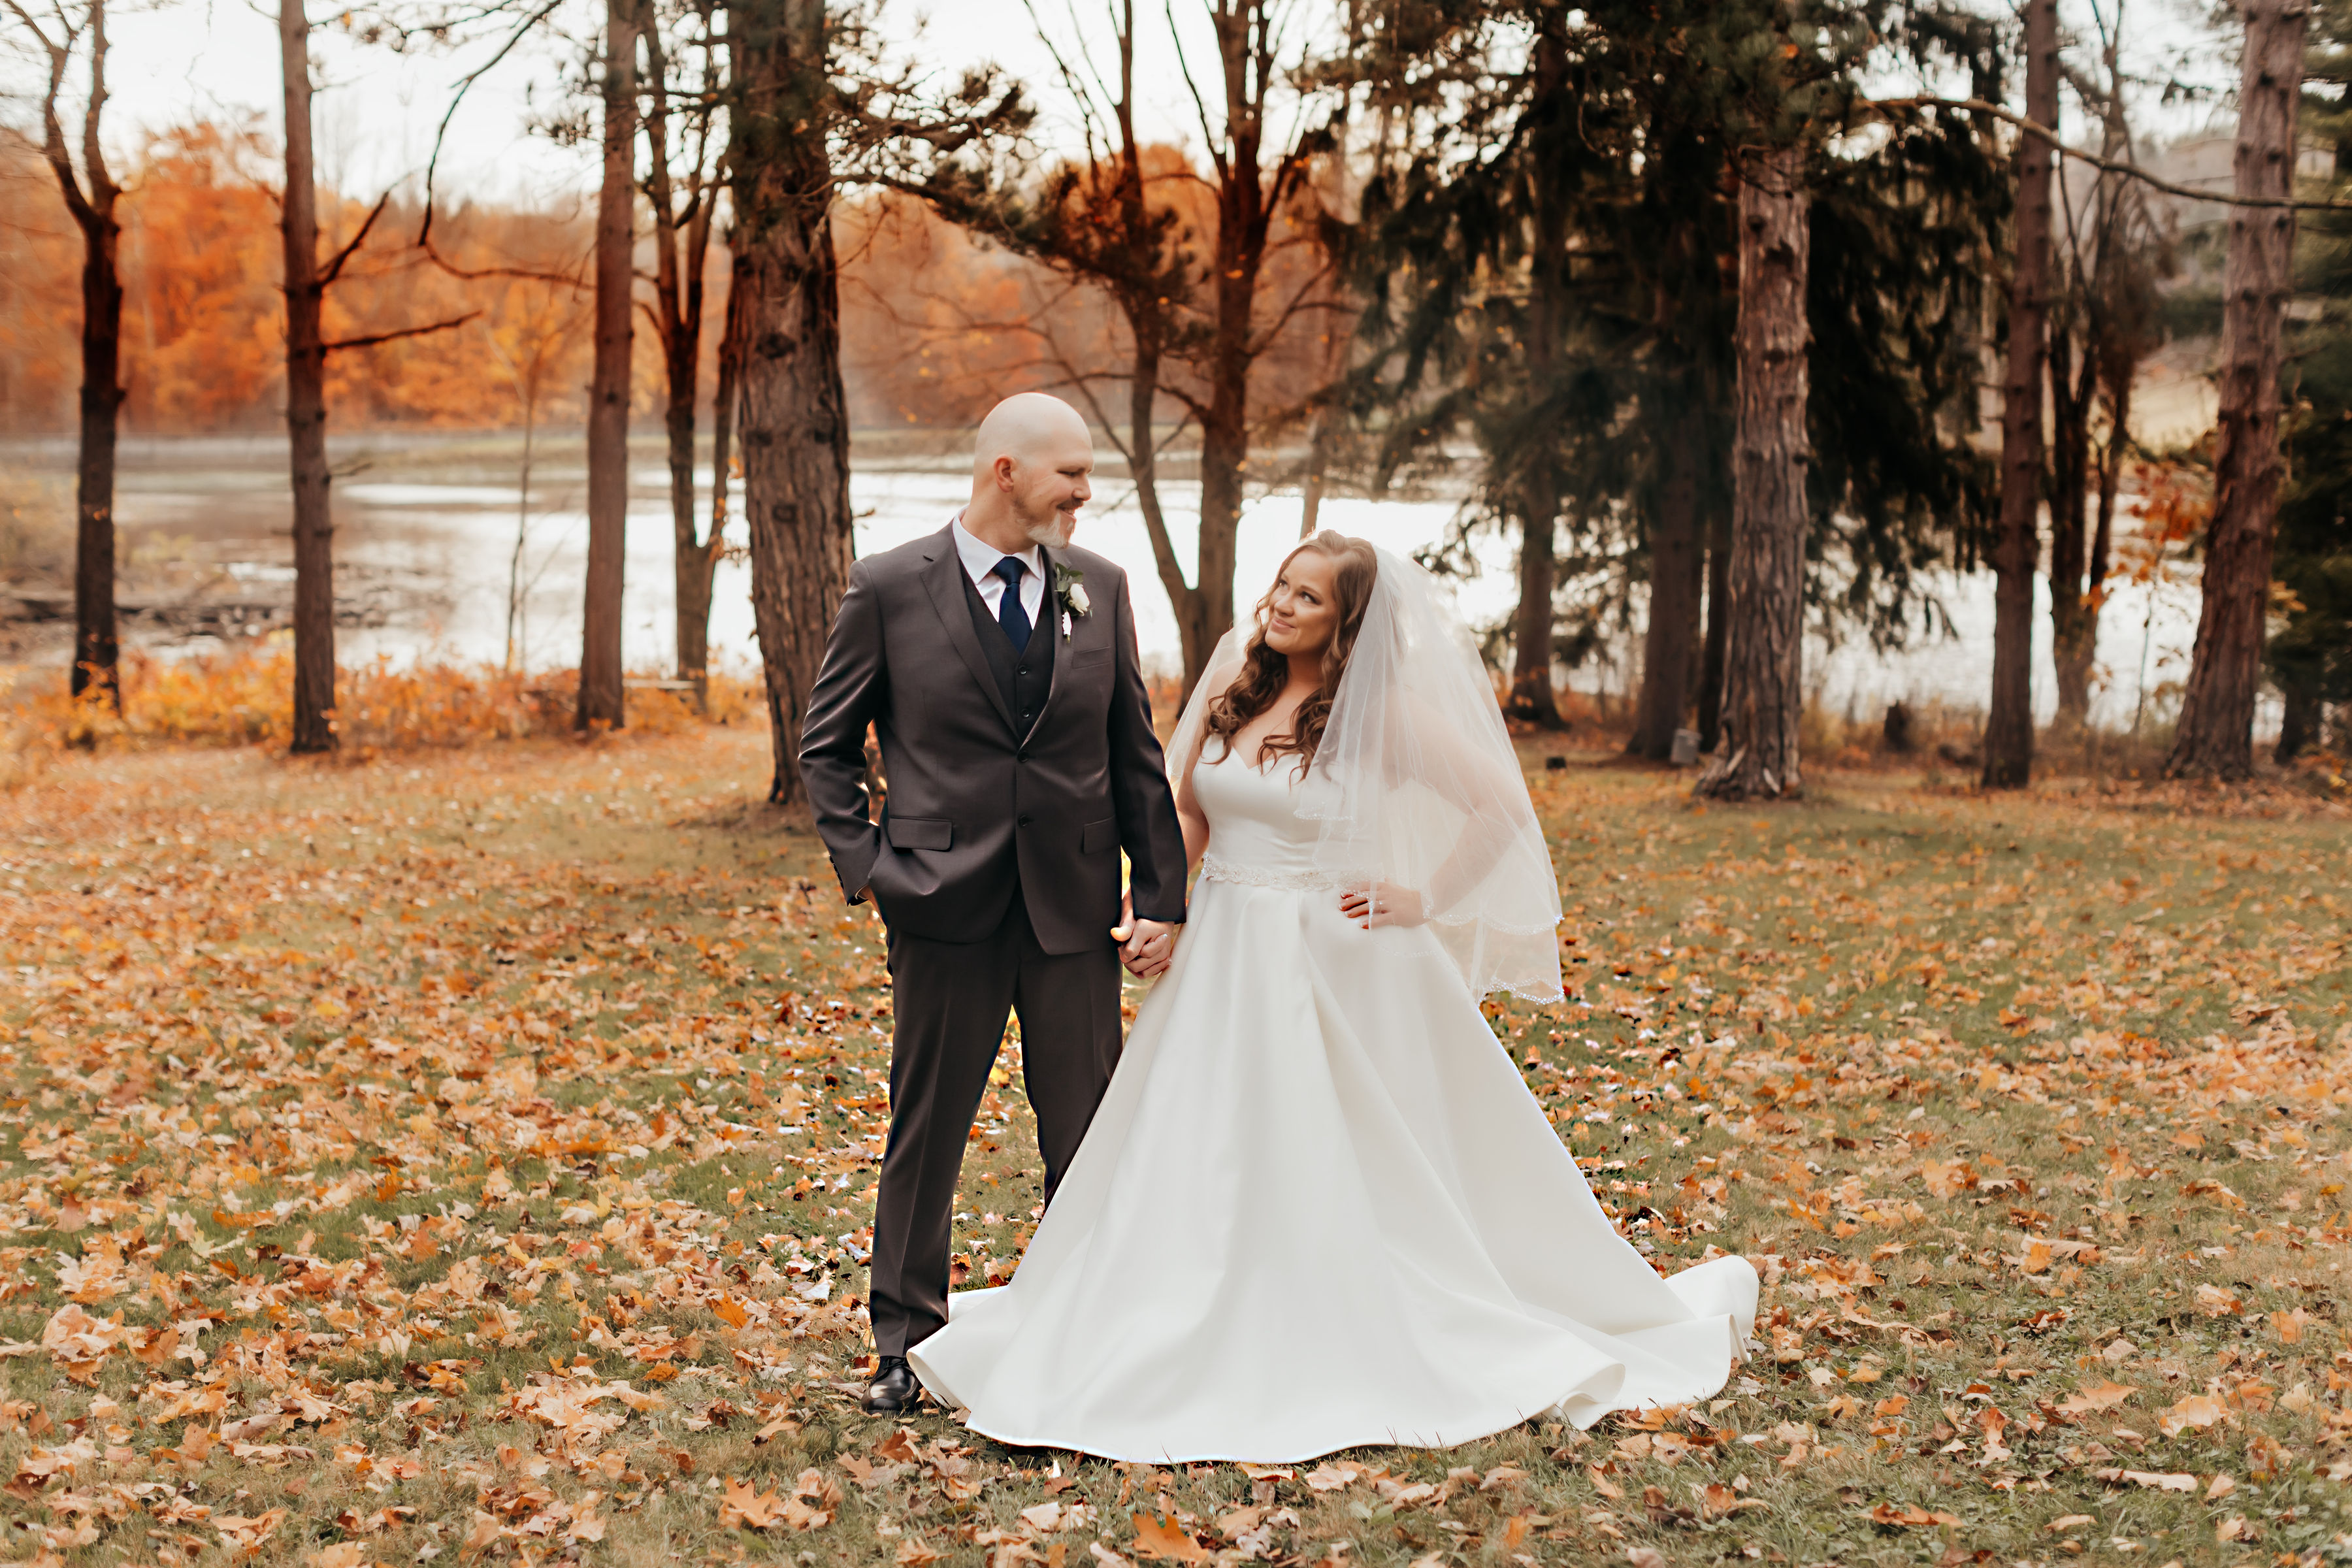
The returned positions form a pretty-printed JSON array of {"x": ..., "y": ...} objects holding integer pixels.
[{"x": 1415, "y": 783}]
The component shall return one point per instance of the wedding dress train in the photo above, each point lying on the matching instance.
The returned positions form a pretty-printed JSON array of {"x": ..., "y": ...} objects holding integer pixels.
[{"x": 1318, "y": 1208}]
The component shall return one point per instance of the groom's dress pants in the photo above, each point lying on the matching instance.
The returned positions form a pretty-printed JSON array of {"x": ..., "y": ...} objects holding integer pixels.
[{"x": 949, "y": 1002}]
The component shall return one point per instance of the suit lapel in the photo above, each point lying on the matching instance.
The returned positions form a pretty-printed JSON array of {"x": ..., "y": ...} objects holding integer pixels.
[{"x": 944, "y": 578}]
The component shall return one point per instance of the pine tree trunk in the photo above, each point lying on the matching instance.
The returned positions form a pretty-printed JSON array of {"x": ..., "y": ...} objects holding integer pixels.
[
  {"x": 1225, "y": 423},
  {"x": 1763, "y": 695},
  {"x": 1533, "y": 699},
  {"x": 794, "y": 413},
  {"x": 1677, "y": 568},
  {"x": 1718, "y": 632},
  {"x": 602, "y": 698},
  {"x": 2016, "y": 551},
  {"x": 2216, "y": 736},
  {"x": 2300, "y": 725},
  {"x": 694, "y": 587},
  {"x": 96, "y": 646},
  {"x": 306, "y": 403},
  {"x": 2072, "y": 389},
  {"x": 680, "y": 263}
]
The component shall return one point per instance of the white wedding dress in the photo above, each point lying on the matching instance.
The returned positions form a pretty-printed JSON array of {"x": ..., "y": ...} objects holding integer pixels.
[{"x": 1318, "y": 1208}]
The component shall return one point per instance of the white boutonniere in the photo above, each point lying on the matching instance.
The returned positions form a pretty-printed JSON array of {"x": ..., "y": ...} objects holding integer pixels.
[{"x": 1070, "y": 588}]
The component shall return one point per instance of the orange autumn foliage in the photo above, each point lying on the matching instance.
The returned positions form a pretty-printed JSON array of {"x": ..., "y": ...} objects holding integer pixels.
[
  {"x": 935, "y": 324},
  {"x": 203, "y": 348},
  {"x": 245, "y": 698}
]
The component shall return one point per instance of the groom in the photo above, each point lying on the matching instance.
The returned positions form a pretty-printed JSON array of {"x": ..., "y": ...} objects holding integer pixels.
[{"x": 998, "y": 666}]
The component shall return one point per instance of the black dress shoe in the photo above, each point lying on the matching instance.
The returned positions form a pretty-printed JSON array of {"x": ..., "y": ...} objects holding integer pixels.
[{"x": 894, "y": 1391}]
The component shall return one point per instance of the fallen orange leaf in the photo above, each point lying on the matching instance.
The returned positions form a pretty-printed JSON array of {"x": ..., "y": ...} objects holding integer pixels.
[{"x": 1163, "y": 1539}]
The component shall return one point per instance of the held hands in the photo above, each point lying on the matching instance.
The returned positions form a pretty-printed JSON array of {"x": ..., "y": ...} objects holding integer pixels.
[
  {"x": 1384, "y": 904},
  {"x": 1145, "y": 946}
]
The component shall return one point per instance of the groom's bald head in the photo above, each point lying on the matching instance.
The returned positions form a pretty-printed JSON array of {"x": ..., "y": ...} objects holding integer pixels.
[{"x": 1030, "y": 465}]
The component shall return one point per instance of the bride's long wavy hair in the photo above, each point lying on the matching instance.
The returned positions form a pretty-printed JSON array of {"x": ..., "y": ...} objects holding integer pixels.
[{"x": 1264, "y": 672}]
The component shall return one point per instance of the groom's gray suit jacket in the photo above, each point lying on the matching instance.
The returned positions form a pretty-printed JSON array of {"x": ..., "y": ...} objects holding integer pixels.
[{"x": 980, "y": 805}]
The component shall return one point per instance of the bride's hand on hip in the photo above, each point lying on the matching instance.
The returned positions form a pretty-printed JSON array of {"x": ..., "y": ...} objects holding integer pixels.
[{"x": 1384, "y": 904}]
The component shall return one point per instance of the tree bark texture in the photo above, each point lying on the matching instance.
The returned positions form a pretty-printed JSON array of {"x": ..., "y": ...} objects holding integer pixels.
[
  {"x": 1533, "y": 701},
  {"x": 2016, "y": 551},
  {"x": 306, "y": 402},
  {"x": 97, "y": 648},
  {"x": 2216, "y": 734},
  {"x": 1133, "y": 263},
  {"x": 1532, "y": 698},
  {"x": 1763, "y": 693},
  {"x": 602, "y": 698},
  {"x": 1718, "y": 632},
  {"x": 681, "y": 254},
  {"x": 694, "y": 586},
  {"x": 1244, "y": 218},
  {"x": 2073, "y": 389},
  {"x": 1677, "y": 570},
  {"x": 793, "y": 411},
  {"x": 2301, "y": 725}
]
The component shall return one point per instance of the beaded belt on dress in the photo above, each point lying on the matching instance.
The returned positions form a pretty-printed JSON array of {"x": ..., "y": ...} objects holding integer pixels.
[{"x": 1217, "y": 870}]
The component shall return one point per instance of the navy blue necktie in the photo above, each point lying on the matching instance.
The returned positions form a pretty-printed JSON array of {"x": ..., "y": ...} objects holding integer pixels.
[{"x": 1009, "y": 613}]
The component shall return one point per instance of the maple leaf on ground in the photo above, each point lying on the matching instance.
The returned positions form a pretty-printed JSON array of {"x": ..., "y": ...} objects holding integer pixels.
[
  {"x": 1646, "y": 1557},
  {"x": 741, "y": 1508},
  {"x": 1910, "y": 1516},
  {"x": 1165, "y": 1540},
  {"x": 343, "y": 1554},
  {"x": 244, "y": 1536},
  {"x": 1331, "y": 1478},
  {"x": 2215, "y": 1302},
  {"x": 2192, "y": 1412},
  {"x": 915, "y": 1553},
  {"x": 1944, "y": 1179},
  {"x": 2094, "y": 1397}
]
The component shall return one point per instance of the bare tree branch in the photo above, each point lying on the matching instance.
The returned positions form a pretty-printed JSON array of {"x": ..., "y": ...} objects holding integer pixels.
[
  {"x": 465, "y": 84},
  {"x": 2112, "y": 165},
  {"x": 375, "y": 339},
  {"x": 334, "y": 267}
]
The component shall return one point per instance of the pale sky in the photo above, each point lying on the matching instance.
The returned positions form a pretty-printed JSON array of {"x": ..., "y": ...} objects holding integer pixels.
[{"x": 176, "y": 60}]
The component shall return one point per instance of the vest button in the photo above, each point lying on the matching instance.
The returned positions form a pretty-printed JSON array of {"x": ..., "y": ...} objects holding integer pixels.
[
  {"x": 1022, "y": 671},
  {"x": 1023, "y": 822}
]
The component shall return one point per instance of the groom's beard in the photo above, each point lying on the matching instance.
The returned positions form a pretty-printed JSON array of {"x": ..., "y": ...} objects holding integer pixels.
[{"x": 1054, "y": 531}]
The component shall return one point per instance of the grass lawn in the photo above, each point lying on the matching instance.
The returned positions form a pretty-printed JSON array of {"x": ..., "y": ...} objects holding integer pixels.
[{"x": 470, "y": 1156}]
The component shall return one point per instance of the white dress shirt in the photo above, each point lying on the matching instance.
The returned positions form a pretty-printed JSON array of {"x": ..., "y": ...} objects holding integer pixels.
[{"x": 980, "y": 563}]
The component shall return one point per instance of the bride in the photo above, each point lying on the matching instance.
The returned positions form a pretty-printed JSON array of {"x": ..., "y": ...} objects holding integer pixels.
[{"x": 1318, "y": 1207}]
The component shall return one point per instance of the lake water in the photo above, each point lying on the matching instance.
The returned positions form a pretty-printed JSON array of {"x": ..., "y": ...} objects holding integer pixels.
[{"x": 426, "y": 526}]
